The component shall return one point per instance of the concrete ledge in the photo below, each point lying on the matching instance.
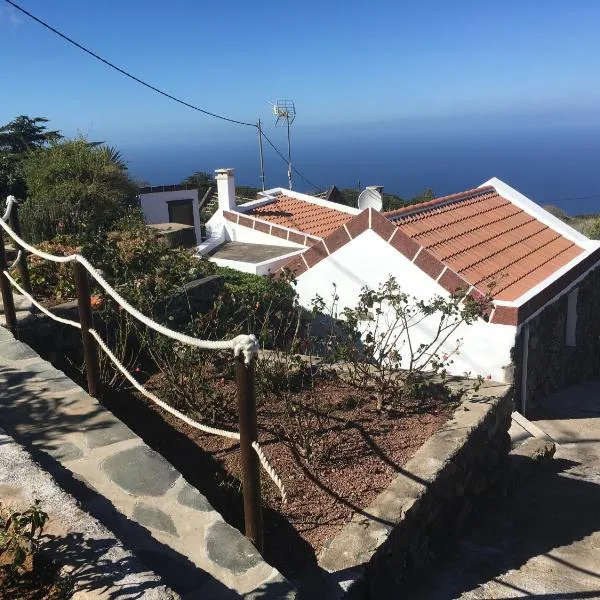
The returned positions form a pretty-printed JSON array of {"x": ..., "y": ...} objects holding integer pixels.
[{"x": 426, "y": 502}]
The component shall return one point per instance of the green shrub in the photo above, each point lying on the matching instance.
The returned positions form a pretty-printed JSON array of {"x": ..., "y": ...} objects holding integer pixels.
[
  {"x": 49, "y": 280},
  {"x": 74, "y": 187}
]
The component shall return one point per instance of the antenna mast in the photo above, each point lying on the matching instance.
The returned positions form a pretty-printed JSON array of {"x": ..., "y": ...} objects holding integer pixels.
[
  {"x": 285, "y": 111},
  {"x": 262, "y": 163}
]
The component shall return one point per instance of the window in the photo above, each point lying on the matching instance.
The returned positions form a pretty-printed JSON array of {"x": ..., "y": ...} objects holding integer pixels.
[{"x": 571, "y": 318}]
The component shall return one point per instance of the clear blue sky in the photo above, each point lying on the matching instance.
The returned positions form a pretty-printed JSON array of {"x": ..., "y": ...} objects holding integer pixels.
[{"x": 342, "y": 62}]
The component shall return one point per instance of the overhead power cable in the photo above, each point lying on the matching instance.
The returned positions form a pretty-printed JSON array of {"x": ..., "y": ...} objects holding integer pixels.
[
  {"x": 152, "y": 87},
  {"x": 286, "y": 160},
  {"x": 123, "y": 72}
]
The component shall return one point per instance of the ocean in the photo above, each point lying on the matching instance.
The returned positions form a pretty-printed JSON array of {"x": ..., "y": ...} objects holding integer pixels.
[{"x": 552, "y": 159}]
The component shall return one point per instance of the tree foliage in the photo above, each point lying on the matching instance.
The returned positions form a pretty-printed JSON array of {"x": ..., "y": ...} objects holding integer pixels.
[
  {"x": 199, "y": 179},
  {"x": 18, "y": 137},
  {"x": 74, "y": 188}
]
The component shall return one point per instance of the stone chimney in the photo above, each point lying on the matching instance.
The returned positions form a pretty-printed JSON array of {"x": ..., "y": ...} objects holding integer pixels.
[{"x": 226, "y": 188}]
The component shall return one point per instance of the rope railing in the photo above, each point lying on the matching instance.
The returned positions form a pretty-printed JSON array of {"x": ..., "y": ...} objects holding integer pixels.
[
  {"x": 245, "y": 346},
  {"x": 39, "y": 306}
]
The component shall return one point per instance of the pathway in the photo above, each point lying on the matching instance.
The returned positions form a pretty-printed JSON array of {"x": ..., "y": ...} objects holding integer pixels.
[
  {"x": 129, "y": 488},
  {"x": 543, "y": 541}
]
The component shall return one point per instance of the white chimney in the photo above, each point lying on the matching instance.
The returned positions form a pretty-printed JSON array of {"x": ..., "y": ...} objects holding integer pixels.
[
  {"x": 226, "y": 188},
  {"x": 371, "y": 197}
]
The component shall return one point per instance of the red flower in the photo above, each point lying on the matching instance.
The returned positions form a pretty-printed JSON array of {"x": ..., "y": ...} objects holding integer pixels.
[
  {"x": 137, "y": 370},
  {"x": 488, "y": 376}
]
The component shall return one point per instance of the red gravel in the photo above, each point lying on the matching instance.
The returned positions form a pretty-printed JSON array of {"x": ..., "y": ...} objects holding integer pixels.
[{"x": 356, "y": 453}]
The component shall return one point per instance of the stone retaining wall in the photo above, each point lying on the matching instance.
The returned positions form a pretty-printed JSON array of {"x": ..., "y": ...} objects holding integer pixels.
[
  {"x": 551, "y": 364},
  {"x": 428, "y": 500}
]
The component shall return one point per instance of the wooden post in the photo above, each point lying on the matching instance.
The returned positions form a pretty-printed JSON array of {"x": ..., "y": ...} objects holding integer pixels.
[
  {"x": 21, "y": 264},
  {"x": 250, "y": 463},
  {"x": 90, "y": 351},
  {"x": 6, "y": 289}
]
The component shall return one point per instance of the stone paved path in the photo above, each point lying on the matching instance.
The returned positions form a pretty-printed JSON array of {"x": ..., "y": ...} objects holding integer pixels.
[
  {"x": 127, "y": 486},
  {"x": 544, "y": 540},
  {"x": 99, "y": 564}
]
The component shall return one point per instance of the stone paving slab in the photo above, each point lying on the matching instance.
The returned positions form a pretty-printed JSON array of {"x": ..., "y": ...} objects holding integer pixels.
[
  {"x": 128, "y": 486},
  {"x": 99, "y": 564}
]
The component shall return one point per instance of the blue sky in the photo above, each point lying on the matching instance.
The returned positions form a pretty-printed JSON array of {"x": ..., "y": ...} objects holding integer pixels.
[
  {"x": 341, "y": 61},
  {"x": 344, "y": 63}
]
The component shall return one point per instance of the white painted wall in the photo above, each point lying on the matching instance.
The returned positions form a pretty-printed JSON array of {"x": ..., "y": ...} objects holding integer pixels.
[
  {"x": 156, "y": 210},
  {"x": 262, "y": 268},
  {"x": 237, "y": 233},
  {"x": 368, "y": 260}
]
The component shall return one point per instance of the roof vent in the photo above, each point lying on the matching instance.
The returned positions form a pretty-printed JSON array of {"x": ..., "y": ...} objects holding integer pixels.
[{"x": 370, "y": 197}]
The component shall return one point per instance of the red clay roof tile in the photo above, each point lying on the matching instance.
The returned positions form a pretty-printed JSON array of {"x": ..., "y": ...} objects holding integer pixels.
[
  {"x": 487, "y": 240},
  {"x": 301, "y": 215}
]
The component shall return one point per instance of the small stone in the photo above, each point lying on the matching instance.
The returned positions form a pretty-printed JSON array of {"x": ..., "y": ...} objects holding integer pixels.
[
  {"x": 229, "y": 549},
  {"x": 153, "y": 517},
  {"x": 189, "y": 496},
  {"x": 140, "y": 470},
  {"x": 109, "y": 432},
  {"x": 65, "y": 452}
]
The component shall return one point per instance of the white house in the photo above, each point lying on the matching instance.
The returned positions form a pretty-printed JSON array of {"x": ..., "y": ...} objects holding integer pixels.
[
  {"x": 171, "y": 204},
  {"x": 490, "y": 239}
]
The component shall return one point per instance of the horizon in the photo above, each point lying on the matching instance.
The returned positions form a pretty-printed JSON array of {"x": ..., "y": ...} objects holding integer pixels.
[{"x": 430, "y": 71}]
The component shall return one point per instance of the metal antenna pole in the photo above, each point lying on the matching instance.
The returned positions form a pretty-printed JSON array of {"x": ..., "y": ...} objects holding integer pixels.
[
  {"x": 262, "y": 163},
  {"x": 289, "y": 155},
  {"x": 285, "y": 111}
]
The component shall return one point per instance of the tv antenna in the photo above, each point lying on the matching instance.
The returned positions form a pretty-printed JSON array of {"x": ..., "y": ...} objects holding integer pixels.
[{"x": 285, "y": 111}]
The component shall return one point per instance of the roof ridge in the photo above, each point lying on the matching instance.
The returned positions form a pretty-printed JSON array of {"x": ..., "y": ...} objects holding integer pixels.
[
  {"x": 413, "y": 208},
  {"x": 520, "y": 258}
]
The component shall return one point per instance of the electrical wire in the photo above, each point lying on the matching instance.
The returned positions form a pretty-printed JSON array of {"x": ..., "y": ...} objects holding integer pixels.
[
  {"x": 154, "y": 88},
  {"x": 286, "y": 160},
  {"x": 126, "y": 73}
]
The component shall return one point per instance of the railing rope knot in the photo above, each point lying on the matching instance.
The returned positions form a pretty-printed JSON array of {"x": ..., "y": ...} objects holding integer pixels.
[{"x": 246, "y": 345}]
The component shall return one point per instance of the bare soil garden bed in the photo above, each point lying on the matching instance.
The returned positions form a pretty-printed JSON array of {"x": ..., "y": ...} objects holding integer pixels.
[{"x": 356, "y": 451}]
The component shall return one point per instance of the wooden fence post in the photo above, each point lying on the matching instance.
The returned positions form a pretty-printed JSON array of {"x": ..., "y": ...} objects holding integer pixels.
[
  {"x": 6, "y": 289},
  {"x": 250, "y": 464},
  {"x": 21, "y": 264},
  {"x": 90, "y": 351}
]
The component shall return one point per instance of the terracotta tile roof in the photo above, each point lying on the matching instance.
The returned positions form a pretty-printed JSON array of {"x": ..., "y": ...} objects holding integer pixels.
[
  {"x": 487, "y": 240},
  {"x": 301, "y": 215}
]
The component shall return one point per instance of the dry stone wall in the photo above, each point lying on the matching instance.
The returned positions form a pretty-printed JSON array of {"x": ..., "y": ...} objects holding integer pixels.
[
  {"x": 427, "y": 502},
  {"x": 551, "y": 363}
]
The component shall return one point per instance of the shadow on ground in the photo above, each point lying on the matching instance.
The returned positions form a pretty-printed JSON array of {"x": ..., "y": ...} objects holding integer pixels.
[{"x": 552, "y": 519}]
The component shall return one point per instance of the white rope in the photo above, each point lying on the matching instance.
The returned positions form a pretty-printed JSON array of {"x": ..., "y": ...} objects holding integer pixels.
[
  {"x": 241, "y": 344},
  {"x": 10, "y": 200},
  {"x": 270, "y": 471},
  {"x": 39, "y": 306},
  {"x": 16, "y": 261},
  {"x": 234, "y": 435}
]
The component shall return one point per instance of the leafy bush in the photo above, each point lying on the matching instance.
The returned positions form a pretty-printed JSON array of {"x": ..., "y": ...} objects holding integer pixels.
[
  {"x": 49, "y": 280},
  {"x": 376, "y": 339},
  {"x": 19, "y": 536},
  {"x": 74, "y": 187},
  {"x": 264, "y": 306}
]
